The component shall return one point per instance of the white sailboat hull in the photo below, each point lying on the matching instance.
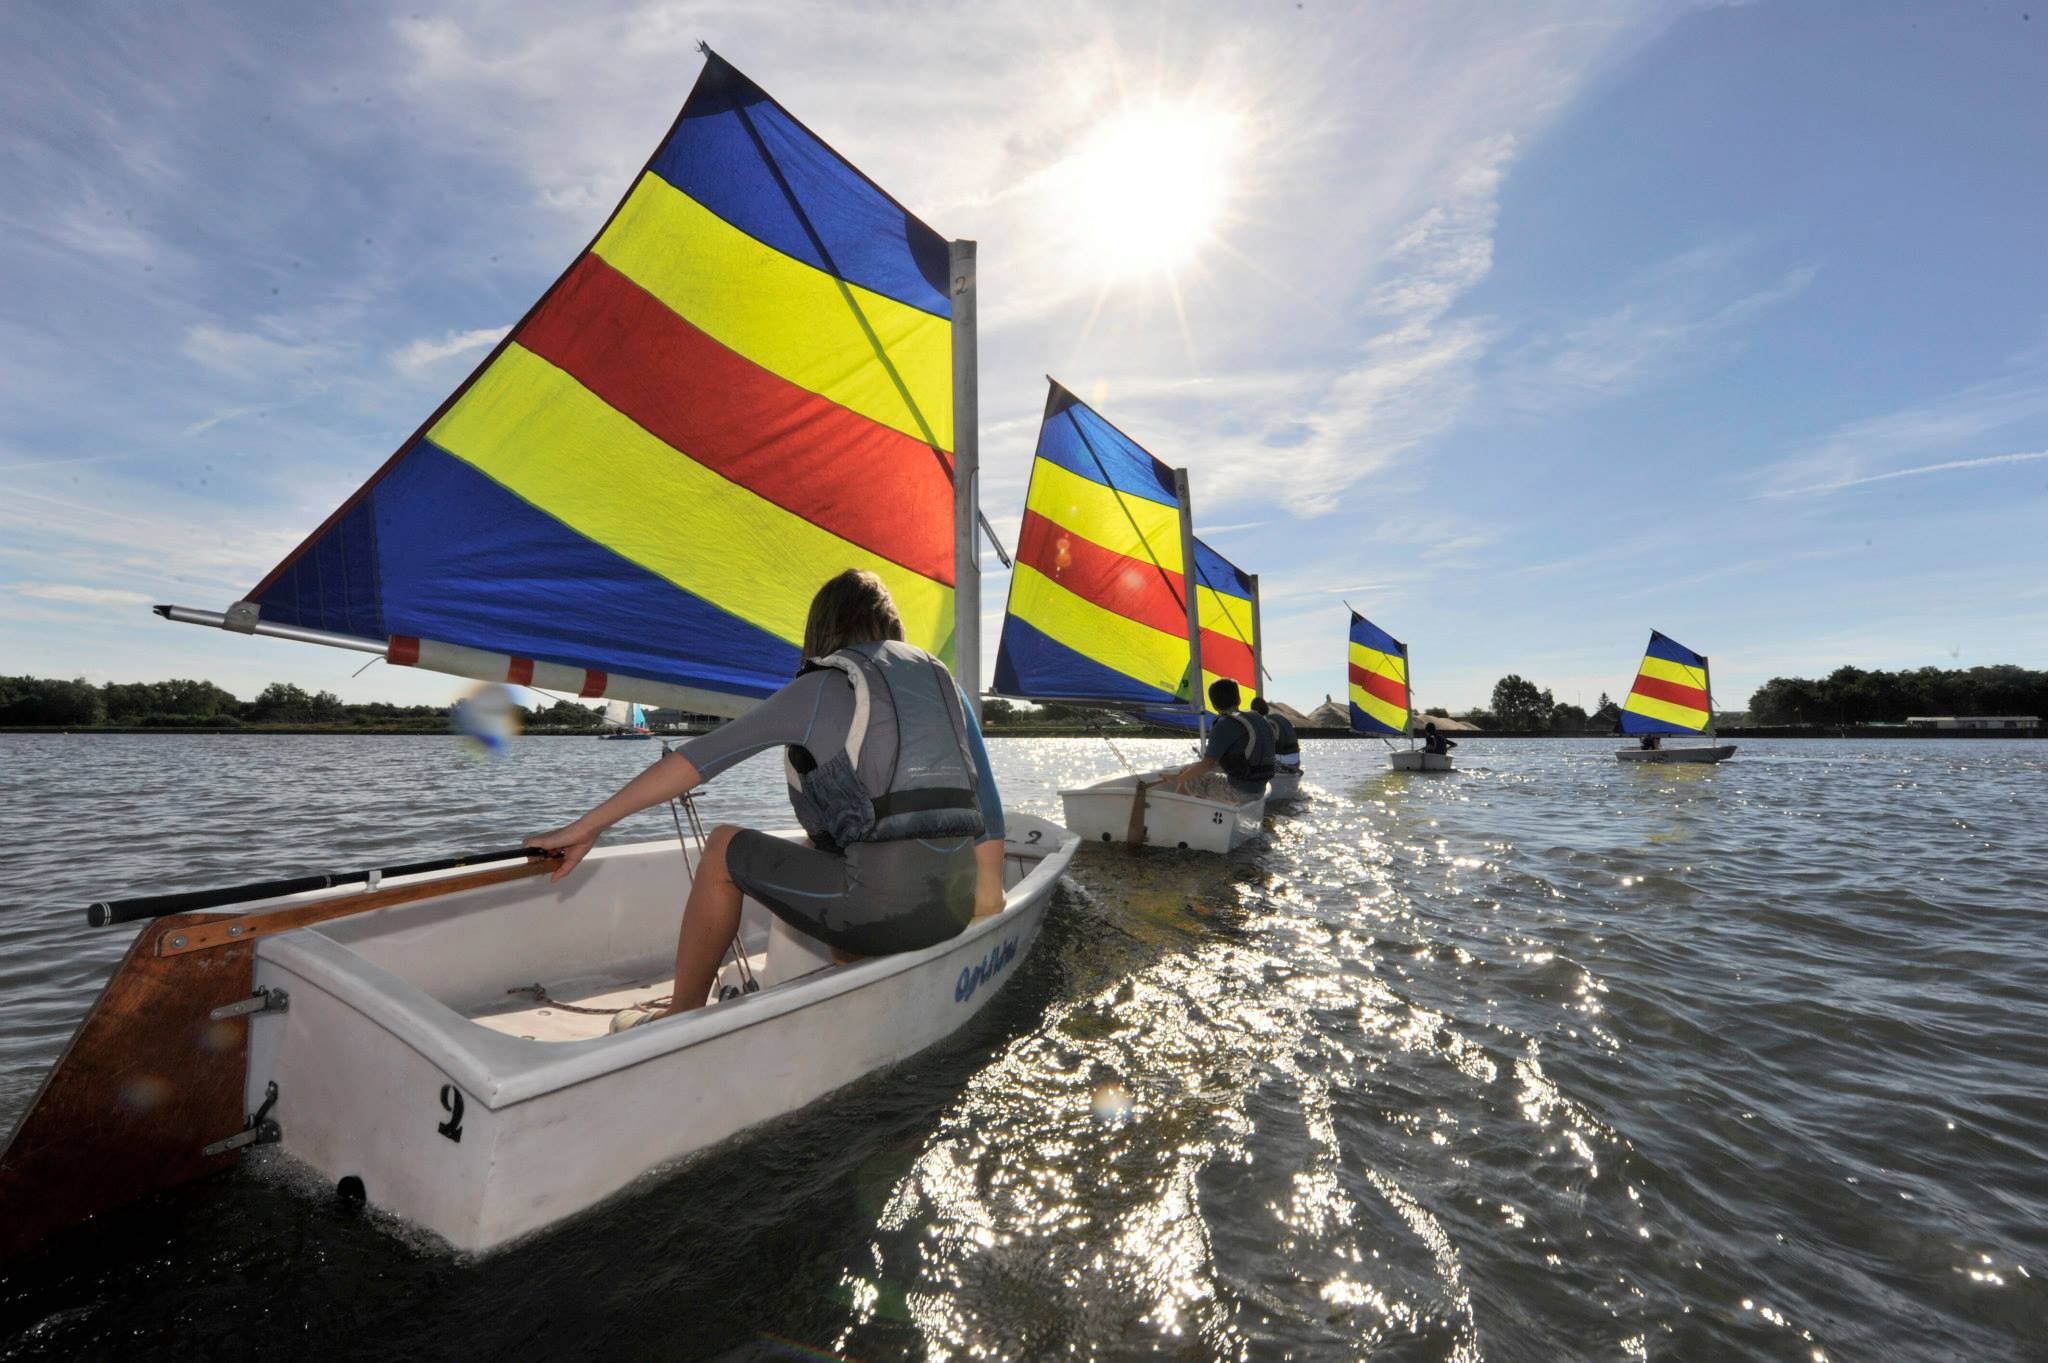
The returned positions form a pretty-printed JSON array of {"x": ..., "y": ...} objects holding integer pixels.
[
  {"x": 1415, "y": 759},
  {"x": 483, "y": 1115},
  {"x": 1102, "y": 813},
  {"x": 1720, "y": 753},
  {"x": 1285, "y": 786}
]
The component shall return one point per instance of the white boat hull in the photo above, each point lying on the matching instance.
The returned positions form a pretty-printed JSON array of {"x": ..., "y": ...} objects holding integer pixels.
[
  {"x": 1284, "y": 786},
  {"x": 1415, "y": 759},
  {"x": 1102, "y": 813},
  {"x": 482, "y": 1115},
  {"x": 1720, "y": 753}
]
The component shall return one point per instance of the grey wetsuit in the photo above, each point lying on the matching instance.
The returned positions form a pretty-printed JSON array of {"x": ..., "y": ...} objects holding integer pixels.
[{"x": 871, "y": 898}]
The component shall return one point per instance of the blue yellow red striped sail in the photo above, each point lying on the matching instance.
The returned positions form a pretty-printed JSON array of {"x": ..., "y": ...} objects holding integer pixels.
[
  {"x": 743, "y": 387},
  {"x": 1096, "y": 611},
  {"x": 1224, "y": 595},
  {"x": 1379, "y": 680},
  {"x": 1670, "y": 691}
]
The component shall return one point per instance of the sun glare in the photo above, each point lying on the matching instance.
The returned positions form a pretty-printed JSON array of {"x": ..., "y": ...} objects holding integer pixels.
[{"x": 1154, "y": 183}]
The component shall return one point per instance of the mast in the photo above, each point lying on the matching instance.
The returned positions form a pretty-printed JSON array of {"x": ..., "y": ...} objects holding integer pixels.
[
  {"x": 966, "y": 477},
  {"x": 1258, "y": 641},
  {"x": 1188, "y": 576},
  {"x": 1408, "y": 681},
  {"x": 1707, "y": 675}
]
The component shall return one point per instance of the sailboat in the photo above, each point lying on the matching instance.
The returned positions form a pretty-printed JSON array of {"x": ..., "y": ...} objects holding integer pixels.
[
  {"x": 1380, "y": 695},
  {"x": 778, "y": 359},
  {"x": 1672, "y": 694},
  {"x": 1098, "y": 614},
  {"x": 627, "y": 719}
]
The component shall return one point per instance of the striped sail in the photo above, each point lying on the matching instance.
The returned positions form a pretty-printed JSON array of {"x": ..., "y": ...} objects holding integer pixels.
[
  {"x": 1379, "y": 680},
  {"x": 1225, "y": 596},
  {"x": 741, "y": 388},
  {"x": 1096, "y": 611},
  {"x": 1670, "y": 691}
]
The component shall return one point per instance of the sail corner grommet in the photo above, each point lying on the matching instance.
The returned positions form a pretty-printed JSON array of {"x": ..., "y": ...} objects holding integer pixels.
[{"x": 242, "y": 617}]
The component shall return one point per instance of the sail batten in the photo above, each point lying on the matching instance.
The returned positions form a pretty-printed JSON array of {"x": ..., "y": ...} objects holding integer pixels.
[
  {"x": 743, "y": 386},
  {"x": 1378, "y": 669},
  {"x": 1670, "y": 693}
]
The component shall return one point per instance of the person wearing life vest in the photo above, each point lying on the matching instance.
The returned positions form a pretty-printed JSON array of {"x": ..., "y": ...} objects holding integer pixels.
[
  {"x": 1286, "y": 747},
  {"x": 888, "y": 775},
  {"x": 1240, "y": 743}
]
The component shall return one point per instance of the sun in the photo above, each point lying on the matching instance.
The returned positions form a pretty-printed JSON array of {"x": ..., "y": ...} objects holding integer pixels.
[{"x": 1152, "y": 186}]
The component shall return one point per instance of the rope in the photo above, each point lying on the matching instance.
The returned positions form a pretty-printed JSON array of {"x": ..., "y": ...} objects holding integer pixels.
[{"x": 539, "y": 994}]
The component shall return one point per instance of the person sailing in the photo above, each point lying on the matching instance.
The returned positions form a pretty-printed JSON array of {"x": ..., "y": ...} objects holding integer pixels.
[
  {"x": 1240, "y": 742},
  {"x": 1286, "y": 747},
  {"x": 888, "y": 775},
  {"x": 1432, "y": 741}
]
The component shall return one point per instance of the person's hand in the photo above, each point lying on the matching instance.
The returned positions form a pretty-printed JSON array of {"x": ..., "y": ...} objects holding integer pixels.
[{"x": 571, "y": 843}]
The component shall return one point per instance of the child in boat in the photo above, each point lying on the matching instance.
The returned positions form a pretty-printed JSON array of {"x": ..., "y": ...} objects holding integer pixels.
[
  {"x": 888, "y": 774},
  {"x": 1432, "y": 741},
  {"x": 1240, "y": 743},
  {"x": 1286, "y": 747}
]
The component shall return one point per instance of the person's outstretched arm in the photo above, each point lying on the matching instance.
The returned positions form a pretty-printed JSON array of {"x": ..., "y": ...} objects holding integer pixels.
[
  {"x": 989, "y": 894},
  {"x": 672, "y": 777}
]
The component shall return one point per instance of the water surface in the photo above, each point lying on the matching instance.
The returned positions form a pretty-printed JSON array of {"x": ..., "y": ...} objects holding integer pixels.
[{"x": 1554, "y": 1058}]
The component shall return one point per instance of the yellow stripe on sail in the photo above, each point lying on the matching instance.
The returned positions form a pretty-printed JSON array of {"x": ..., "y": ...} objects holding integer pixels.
[
  {"x": 1663, "y": 669},
  {"x": 523, "y": 422},
  {"x": 1229, "y": 616},
  {"x": 1393, "y": 716},
  {"x": 1138, "y": 651},
  {"x": 1386, "y": 664},
  {"x": 1123, "y": 524},
  {"x": 790, "y": 318},
  {"x": 1651, "y": 708}
]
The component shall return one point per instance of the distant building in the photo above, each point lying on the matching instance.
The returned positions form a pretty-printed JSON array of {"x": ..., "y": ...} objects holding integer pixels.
[{"x": 1974, "y": 721}]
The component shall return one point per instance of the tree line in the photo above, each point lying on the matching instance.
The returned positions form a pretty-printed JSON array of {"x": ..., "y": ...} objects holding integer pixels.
[
  {"x": 43, "y": 702},
  {"x": 1850, "y": 695}
]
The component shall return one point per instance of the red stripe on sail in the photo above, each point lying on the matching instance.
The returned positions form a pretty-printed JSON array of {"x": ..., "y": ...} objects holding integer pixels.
[
  {"x": 402, "y": 651},
  {"x": 594, "y": 683},
  {"x": 520, "y": 673},
  {"x": 1135, "y": 588},
  {"x": 1383, "y": 687},
  {"x": 876, "y": 487},
  {"x": 1691, "y": 697}
]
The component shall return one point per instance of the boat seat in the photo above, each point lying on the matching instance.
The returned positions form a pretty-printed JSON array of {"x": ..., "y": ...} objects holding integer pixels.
[{"x": 791, "y": 954}]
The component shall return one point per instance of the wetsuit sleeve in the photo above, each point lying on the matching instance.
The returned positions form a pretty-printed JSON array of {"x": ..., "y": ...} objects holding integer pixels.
[
  {"x": 985, "y": 793},
  {"x": 787, "y": 717},
  {"x": 1225, "y": 737}
]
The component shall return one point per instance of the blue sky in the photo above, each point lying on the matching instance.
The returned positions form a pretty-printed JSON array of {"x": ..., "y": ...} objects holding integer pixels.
[{"x": 1525, "y": 329}]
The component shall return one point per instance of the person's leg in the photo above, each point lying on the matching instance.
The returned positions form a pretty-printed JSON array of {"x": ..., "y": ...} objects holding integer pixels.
[
  {"x": 711, "y": 919},
  {"x": 989, "y": 895}
]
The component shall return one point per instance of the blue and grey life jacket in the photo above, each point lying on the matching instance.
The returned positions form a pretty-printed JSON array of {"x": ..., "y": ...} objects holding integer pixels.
[
  {"x": 907, "y": 770},
  {"x": 1251, "y": 765},
  {"x": 1285, "y": 742}
]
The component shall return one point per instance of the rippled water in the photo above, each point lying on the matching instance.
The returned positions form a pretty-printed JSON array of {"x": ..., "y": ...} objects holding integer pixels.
[{"x": 1550, "y": 1059}]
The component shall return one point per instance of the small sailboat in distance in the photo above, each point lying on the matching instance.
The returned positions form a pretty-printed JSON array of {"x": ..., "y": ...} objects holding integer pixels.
[
  {"x": 1672, "y": 694},
  {"x": 1381, "y": 697},
  {"x": 627, "y": 719}
]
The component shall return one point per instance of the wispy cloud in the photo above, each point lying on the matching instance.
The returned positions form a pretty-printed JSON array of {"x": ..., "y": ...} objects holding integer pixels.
[
  {"x": 1946, "y": 466},
  {"x": 420, "y": 358},
  {"x": 1935, "y": 434},
  {"x": 1675, "y": 313},
  {"x": 80, "y": 595}
]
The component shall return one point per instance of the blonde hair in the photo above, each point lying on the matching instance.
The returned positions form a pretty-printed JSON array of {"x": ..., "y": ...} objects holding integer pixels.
[{"x": 852, "y": 608}]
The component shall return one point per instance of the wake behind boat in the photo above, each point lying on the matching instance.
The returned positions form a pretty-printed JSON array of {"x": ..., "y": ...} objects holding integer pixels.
[
  {"x": 1672, "y": 694},
  {"x": 778, "y": 359}
]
